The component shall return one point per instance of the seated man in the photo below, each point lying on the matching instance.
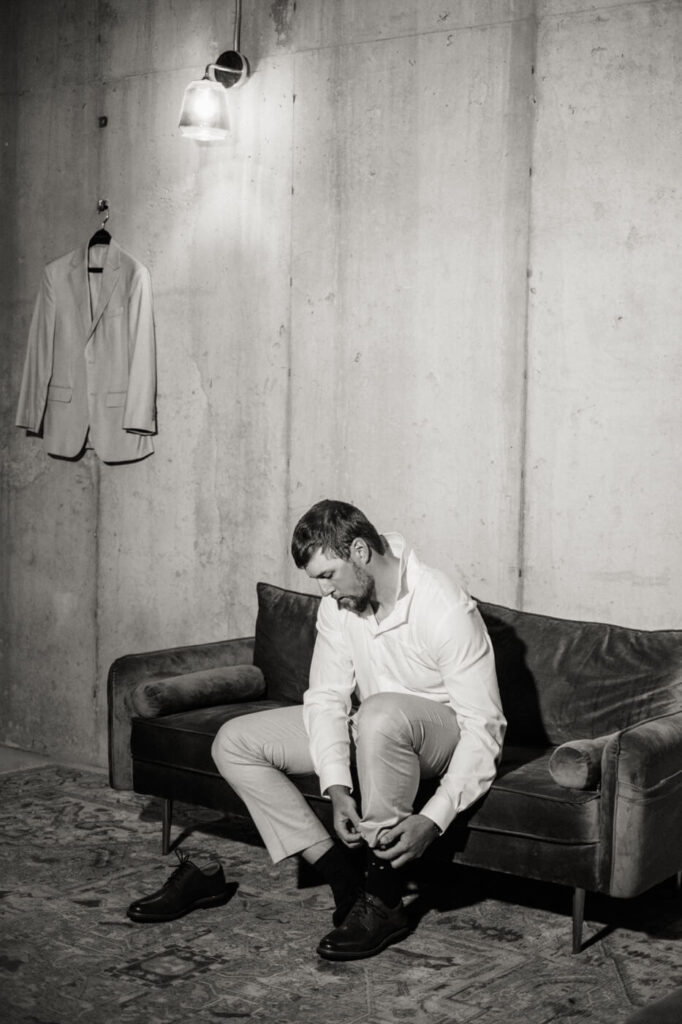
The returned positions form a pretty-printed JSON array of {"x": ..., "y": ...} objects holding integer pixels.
[{"x": 413, "y": 647}]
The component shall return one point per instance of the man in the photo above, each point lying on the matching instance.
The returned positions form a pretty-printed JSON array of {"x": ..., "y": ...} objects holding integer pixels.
[{"x": 413, "y": 647}]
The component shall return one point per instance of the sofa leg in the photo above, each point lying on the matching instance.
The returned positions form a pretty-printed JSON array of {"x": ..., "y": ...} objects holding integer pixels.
[
  {"x": 578, "y": 914},
  {"x": 166, "y": 827}
]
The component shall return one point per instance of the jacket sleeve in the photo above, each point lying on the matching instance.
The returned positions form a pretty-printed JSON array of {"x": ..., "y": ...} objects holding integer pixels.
[
  {"x": 139, "y": 415},
  {"x": 38, "y": 364}
]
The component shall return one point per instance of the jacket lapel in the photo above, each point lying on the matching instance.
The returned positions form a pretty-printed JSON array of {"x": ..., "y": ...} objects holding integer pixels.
[
  {"x": 78, "y": 282},
  {"x": 110, "y": 275}
]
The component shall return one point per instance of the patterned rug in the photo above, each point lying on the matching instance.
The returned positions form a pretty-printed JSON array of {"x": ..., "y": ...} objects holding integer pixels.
[{"x": 490, "y": 949}]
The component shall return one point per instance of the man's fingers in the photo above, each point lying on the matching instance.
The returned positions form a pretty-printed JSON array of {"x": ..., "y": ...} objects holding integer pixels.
[
  {"x": 344, "y": 835},
  {"x": 395, "y": 856},
  {"x": 400, "y": 844},
  {"x": 346, "y": 831},
  {"x": 389, "y": 837},
  {"x": 353, "y": 840},
  {"x": 350, "y": 838},
  {"x": 400, "y": 861},
  {"x": 394, "y": 850},
  {"x": 352, "y": 815}
]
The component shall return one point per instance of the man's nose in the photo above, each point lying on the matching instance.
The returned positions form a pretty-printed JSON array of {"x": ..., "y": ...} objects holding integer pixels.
[{"x": 326, "y": 586}]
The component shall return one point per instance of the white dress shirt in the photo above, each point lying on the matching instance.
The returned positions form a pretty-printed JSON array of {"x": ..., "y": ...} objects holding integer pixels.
[{"x": 434, "y": 644}]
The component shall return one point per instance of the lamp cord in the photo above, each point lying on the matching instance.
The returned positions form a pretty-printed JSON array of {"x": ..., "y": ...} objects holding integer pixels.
[{"x": 237, "y": 24}]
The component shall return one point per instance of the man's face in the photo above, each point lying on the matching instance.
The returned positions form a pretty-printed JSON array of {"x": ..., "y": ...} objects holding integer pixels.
[{"x": 346, "y": 580}]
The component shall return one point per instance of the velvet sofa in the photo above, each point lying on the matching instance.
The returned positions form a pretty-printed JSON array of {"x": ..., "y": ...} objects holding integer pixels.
[{"x": 589, "y": 789}]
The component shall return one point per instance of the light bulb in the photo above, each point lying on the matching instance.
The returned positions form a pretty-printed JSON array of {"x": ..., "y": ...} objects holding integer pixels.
[{"x": 204, "y": 113}]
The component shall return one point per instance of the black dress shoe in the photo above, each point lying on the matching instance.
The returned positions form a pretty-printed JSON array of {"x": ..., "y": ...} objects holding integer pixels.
[
  {"x": 342, "y": 910},
  {"x": 368, "y": 929},
  {"x": 188, "y": 888}
]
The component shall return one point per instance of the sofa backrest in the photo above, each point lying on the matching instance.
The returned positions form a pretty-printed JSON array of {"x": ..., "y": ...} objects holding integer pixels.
[
  {"x": 559, "y": 679},
  {"x": 284, "y": 641},
  {"x": 562, "y": 679}
]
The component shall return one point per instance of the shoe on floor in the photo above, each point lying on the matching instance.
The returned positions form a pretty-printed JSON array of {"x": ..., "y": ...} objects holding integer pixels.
[
  {"x": 188, "y": 888},
  {"x": 368, "y": 929}
]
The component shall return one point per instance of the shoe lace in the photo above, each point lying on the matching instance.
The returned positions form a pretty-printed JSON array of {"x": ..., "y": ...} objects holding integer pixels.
[
  {"x": 365, "y": 908},
  {"x": 181, "y": 870}
]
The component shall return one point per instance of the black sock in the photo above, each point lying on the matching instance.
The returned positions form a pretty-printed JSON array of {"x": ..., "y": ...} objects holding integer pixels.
[
  {"x": 340, "y": 870},
  {"x": 384, "y": 881}
]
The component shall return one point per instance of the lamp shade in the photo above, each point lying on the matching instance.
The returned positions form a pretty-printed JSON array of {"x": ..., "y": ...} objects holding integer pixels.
[{"x": 204, "y": 113}]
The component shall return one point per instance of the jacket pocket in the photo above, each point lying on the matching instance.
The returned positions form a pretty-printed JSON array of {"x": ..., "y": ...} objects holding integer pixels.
[
  {"x": 110, "y": 313},
  {"x": 57, "y": 393},
  {"x": 115, "y": 398}
]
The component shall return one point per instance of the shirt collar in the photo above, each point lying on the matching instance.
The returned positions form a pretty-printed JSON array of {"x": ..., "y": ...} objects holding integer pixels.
[{"x": 409, "y": 569}]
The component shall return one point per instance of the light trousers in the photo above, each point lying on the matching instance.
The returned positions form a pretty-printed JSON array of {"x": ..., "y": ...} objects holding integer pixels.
[{"x": 399, "y": 739}]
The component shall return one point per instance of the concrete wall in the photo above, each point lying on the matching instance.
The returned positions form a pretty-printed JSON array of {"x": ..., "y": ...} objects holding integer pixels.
[
  {"x": 432, "y": 272},
  {"x": 603, "y": 529}
]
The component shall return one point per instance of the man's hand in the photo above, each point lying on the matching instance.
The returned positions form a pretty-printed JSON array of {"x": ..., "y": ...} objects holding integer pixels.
[
  {"x": 346, "y": 817},
  {"x": 407, "y": 840}
]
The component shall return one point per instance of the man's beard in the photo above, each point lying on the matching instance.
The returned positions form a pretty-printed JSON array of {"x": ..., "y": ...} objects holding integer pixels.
[{"x": 359, "y": 603}]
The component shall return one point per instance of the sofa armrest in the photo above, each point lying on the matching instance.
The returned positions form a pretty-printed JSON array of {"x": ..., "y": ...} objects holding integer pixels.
[
  {"x": 642, "y": 805},
  {"x": 651, "y": 752},
  {"x": 127, "y": 672}
]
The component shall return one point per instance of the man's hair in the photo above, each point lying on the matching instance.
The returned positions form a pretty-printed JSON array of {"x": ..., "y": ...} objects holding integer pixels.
[{"x": 332, "y": 526}]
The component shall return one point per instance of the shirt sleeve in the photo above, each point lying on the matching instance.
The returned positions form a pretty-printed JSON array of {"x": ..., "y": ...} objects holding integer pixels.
[
  {"x": 327, "y": 702},
  {"x": 466, "y": 660}
]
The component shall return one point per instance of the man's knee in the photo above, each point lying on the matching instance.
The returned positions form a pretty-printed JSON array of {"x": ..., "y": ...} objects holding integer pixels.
[
  {"x": 231, "y": 745},
  {"x": 381, "y": 715},
  {"x": 256, "y": 739}
]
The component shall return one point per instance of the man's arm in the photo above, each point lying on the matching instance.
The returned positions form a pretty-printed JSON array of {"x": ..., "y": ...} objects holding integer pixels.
[
  {"x": 346, "y": 817},
  {"x": 465, "y": 657},
  {"x": 466, "y": 661},
  {"x": 327, "y": 702}
]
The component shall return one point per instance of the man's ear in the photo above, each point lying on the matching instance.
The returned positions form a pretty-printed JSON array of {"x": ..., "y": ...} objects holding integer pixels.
[{"x": 360, "y": 551}]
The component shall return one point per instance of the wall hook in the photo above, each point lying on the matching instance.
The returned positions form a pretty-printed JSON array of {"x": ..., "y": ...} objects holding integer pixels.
[{"x": 103, "y": 207}]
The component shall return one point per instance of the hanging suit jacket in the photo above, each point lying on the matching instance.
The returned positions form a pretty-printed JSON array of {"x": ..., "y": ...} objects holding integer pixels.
[{"x": 90, "y": 370}]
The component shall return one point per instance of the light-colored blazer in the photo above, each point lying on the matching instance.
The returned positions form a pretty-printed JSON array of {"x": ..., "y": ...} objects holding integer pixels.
[{"x": 94, "y": 371}]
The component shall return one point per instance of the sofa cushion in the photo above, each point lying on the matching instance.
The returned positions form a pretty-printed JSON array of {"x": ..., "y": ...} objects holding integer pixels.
[
  {"x": 577, "y": 764},
  {"x": 206, "y": 688},
  {"x": 184, "y": 740},
  {"x": 285, "y": 637},
  {"x": 525, "y": 801}
]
